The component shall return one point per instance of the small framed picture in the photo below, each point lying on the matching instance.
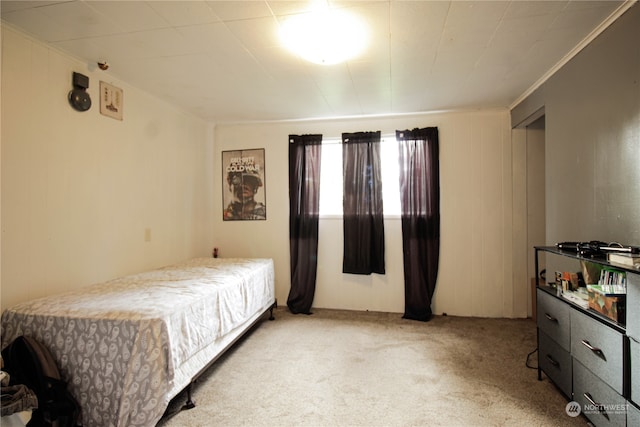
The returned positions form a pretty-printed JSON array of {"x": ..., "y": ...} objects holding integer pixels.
[
  {"x": 111, "y": 101},
  {"x": 243, "y": 185}
]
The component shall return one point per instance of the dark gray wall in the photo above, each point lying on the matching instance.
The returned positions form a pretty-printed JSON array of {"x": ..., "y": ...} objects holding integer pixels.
[{"x": 592, "y": 153}]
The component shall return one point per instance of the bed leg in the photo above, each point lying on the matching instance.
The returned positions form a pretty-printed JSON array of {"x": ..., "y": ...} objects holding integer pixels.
[
  {"x": 190, "y": 404},
  {"x": 275, "y": 305}
]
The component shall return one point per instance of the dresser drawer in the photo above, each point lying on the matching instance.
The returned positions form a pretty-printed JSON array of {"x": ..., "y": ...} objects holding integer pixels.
[
  {"x": 599, "y": 402},
  {"x": 555, "y": 362},
  {"x": 634, "y": 353},
  {"x": 633, "y": 302},
  {"x": 553, "y": 318},
  {"x": 599, "y": 348},
  {"x": 633, "y": 415}
]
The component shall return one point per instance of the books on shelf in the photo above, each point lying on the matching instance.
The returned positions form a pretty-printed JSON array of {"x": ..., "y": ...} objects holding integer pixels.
[
  {"x": 626, "y": 259},
  {"x": 608, "y": 290},
  {"x": 611, "y": 277}
]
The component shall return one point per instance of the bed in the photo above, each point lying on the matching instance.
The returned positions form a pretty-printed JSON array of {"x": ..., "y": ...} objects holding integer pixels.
[{"x": 128, "y": 346}]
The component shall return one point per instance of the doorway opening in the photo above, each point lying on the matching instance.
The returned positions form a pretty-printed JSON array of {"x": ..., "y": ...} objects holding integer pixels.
[{"x": 529, "y": 210}]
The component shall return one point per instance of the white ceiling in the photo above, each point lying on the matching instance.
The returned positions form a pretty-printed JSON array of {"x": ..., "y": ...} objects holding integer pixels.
[{"x": 221, "y": 60}]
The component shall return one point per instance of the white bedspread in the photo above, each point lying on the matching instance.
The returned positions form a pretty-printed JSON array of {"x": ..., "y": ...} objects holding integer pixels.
[{"x": 119, "y": 343}]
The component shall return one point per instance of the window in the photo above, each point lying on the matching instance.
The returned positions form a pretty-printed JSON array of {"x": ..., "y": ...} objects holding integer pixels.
[{"x": 331, "y": 177}]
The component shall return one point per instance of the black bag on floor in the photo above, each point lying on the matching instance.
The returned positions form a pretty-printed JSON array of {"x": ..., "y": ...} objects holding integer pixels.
[{"x": 30, "y": 363}]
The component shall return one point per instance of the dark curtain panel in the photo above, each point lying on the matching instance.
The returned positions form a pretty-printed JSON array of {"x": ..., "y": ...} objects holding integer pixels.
[
  {"x": 304, "y": 202},
  {"x": 420, "y": 204},
  {"x": 362, "y": 204}
]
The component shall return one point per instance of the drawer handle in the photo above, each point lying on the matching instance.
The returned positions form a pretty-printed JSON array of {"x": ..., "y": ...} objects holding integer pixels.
[
  {"x": 596, "y": 405},
  {"x": 550, "y": 317},
  {"x": 595, "y": 350},
  {"x": 552, "y": 361}
]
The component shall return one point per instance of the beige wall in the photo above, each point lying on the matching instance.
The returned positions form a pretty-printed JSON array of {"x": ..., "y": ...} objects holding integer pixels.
[
  {"x": 80, "y": 189},
  {"x": 476, "y": 275}
]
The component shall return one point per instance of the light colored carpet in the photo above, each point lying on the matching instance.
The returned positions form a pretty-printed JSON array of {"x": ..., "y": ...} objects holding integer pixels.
[{"x": 342, "y": 368}]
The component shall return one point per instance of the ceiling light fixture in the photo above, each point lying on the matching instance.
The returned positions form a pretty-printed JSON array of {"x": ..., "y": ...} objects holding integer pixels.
[{"x": 324, "y": 36}]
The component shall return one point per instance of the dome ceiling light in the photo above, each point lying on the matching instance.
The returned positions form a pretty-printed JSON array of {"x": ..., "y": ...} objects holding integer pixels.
[{"x": 324, "y": 35}]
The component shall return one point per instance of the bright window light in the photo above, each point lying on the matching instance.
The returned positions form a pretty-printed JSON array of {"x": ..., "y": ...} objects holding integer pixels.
[
  {"x": 390, "y": 177},
  {"x": 331, "y": 178},
  {"x": 324, "y": 36}
]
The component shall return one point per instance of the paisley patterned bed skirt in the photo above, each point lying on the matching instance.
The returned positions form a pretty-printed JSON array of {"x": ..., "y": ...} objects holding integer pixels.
[{"x": 129, "y": 345}]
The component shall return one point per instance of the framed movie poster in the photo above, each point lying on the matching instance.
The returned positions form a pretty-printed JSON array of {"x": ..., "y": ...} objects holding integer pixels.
[{"x": 243, "y": 185}]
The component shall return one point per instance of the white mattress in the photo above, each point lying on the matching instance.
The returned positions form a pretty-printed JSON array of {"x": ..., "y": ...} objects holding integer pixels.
[{"x": 127, "y": 346}]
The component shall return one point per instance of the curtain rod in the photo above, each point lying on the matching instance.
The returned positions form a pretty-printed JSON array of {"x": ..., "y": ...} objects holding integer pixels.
[{"x": 338, "y": 139}]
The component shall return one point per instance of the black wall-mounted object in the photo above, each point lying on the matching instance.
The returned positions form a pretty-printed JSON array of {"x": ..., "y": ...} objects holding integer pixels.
[{"x": 79, "y": 97}]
